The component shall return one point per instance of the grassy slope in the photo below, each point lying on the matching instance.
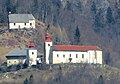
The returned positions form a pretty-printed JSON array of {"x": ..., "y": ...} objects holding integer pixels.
[
  {"x": 23, "y": 41},
  {"x": 68, "y": 75},
  {"x": 23, "y": 38},
  {"x": 5, "y": 48},
  {"x": 3, "y": 52}
]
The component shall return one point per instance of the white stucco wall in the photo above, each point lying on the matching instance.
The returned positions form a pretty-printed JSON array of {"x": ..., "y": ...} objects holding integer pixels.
[
  {"x": 32, "y": 57},
  {"x": 61, "y": 59},
  {"x": 95, "y": 56},
  {"x": 99, "y": 57},
  {"x": 22, "y": 25},
  {"x": 15, "y": 61},
  {"x": 33, "y": 23},
  {"x": 47, "y": 51},
  {"x": 89, "y": 57}
]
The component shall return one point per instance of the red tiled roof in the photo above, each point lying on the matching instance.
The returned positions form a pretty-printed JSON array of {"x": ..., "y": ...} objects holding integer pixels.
[
  {"x": 48, "y": 39},
  {"x": 31, "y": 44},
  {"x": 76, "y": 48}
]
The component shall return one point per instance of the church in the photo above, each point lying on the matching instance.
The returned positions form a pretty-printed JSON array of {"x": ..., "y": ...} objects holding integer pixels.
[{"x": 57, "y": 54}]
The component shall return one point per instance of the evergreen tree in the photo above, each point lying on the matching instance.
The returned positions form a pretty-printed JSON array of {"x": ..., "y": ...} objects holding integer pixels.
[
  {"x": 77, "y": 36},
  {"x": 31, "y": 79},
  {"x": 57, "y": 3},
  {"x": 109, "y": 16},
  {"x": 108, "y": 59},
  {"x": 26, "y": 81},
  {"x": 94, "y": 8},
  {"x": 98, "y": 21},
  {"x": 118, "y": 12},
  {"x": 35, "y": 5},
  {"x": 79, "y": 6},
  {"x": 68, "y": 6},
  {"x": 100, "y": 80},
  {"x": 10, "y": 7}
]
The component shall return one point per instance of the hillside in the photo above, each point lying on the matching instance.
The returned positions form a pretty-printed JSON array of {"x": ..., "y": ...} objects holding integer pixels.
[
  {"x": 21, "y": 38},
  {"x": 67, "y": 74},
  {"x": 97, "y": 22}
]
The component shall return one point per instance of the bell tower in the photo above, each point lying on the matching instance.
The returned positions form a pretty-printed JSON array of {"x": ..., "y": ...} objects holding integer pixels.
[
  {"x": 32, "y": 54},
  {"x": 31, "y": 44},
  {"x": 48, "y": 45}
]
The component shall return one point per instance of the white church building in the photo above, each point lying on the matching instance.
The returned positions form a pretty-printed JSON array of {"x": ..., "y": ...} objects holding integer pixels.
[{"x": 56, "y": 54}]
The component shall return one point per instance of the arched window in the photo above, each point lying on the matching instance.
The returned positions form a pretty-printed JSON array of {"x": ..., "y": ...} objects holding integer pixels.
[
  {"x": 82, "y": 55},
  {"x": 57, "y": 55},
  {"x": 48, "y": 44},
  {"x": 64, "y": 55},
  {"x": 76, "y": 55},
  {"x": 30, "y": 24},
  {"x": 32, "y": 53}
]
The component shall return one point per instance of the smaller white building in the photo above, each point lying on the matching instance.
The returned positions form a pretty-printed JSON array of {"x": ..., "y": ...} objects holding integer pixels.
[
  {"x": 32, "y": 57},
  {"x": 20, "y": 21},
  {"x": 16, "y": 56},
  {"x": 23, "y": 55},
  {"x": 56, "y": 54}
]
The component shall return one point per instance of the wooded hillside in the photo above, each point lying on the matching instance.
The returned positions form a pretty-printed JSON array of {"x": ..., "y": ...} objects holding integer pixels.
[{"x": 79, "y": 22}]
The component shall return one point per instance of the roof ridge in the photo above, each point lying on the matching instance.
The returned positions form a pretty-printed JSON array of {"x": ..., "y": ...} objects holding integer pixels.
[
  {"x": 74, "y": 47},
  {"x": 78, "y": 45}
]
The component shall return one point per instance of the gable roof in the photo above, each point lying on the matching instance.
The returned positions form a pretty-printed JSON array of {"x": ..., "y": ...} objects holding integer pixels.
[
  {"x": 21, "y": 52},
  {"x": 75, "y": 48},
  {"x": 17, "y": 52},
  {"x": 20, "y": 18}
]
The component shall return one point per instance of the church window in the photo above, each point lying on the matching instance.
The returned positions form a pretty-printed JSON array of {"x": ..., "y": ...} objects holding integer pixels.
[
  {"x": 25, "y": 24},
  {"x": 57, "y": 55},
  {"x": 82, "y": 55},
  {"x": 30, "y": 24},
  {"x": 32, "y": 53},
  {"x": 48, "y": 44},
  {"x": 64, "y": 56},
  {"x": 76, "y": 55}
]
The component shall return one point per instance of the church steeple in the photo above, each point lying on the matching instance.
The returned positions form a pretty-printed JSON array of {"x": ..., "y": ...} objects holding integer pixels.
[
  {"x": 48, "y": 45},
  {"x": 48, "y": 38},
  {"x": 31, "y": 44}
]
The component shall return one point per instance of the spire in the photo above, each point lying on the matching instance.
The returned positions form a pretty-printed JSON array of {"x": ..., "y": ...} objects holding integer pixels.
[
  {"x": 47, "y": 37},
  {"x": 31, "y": 44}
]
